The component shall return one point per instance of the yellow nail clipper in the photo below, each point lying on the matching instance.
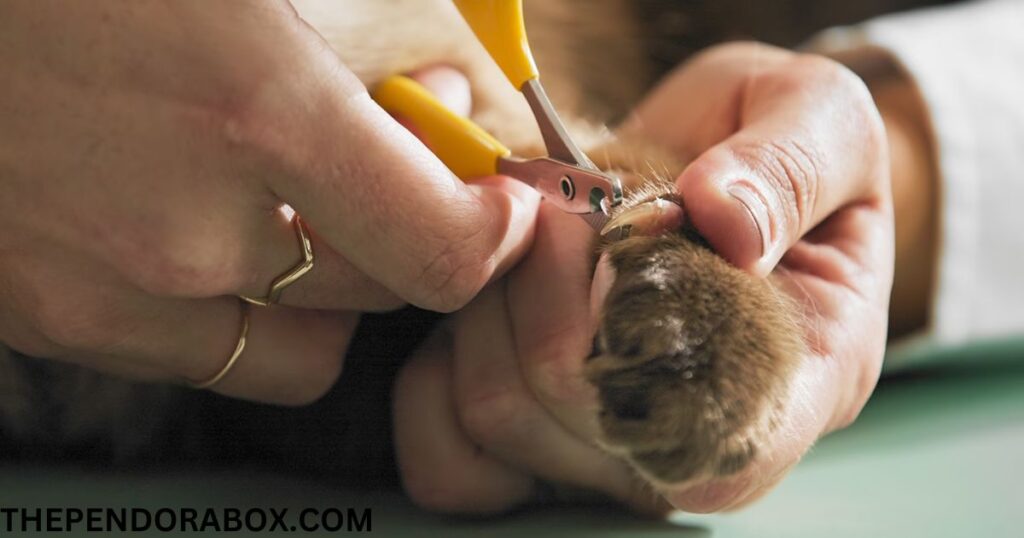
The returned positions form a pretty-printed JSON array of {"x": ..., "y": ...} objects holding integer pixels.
[{"x": 566, "y": 177}]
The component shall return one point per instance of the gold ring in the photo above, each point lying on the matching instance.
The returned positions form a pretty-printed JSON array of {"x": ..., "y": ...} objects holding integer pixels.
[
  {"x": 293, "y": 274},
  {"x": 239, "y": 348}
]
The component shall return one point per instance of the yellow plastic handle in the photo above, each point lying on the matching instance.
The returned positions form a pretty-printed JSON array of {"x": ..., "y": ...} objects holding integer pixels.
[
  {"x": 498, "y": 24},
  {"x": 462, "y": 145}
]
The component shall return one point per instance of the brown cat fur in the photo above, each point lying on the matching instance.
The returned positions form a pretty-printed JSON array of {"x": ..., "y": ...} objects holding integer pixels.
[{"x": 692, "y": 356}]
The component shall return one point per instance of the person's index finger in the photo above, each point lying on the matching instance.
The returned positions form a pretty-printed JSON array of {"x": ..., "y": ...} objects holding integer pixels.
[{"x": 378, "y": 196}]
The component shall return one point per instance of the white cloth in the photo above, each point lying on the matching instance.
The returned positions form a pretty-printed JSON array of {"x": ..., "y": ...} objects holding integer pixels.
[{"x": 968, "y": 62}]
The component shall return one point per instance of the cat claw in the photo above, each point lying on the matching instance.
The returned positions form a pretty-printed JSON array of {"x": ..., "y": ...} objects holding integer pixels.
[
  {"x": 616, "y": 233},
  {"x": 649, "y": 218}
]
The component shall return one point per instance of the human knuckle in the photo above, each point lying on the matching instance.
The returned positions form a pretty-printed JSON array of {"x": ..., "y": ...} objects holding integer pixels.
[
  {"x": 724, "y": 52},
  {"x": 257, "y": 119},
  {"x": 75, "y": 332},
  {"x": 14, "y": 332},
  {"x": 857, "y": 99},
  {"x": 818, "y": 67},
  {"x": 713, "y": 55},
  {"x": 846, "y": 89},
  {"x": 68, "y": 322},
  {"x": 30, "y": 345},
  {"x": 838, "y": 77},
  {"x": 867, "y": 120},
  {"x": 199, "y": 265},
  {"x": 801, "y": 74},
  {"x": 242, "y": 117}
]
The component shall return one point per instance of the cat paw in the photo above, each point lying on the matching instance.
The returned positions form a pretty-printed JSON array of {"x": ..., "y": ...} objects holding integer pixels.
[{"x": 691, "y": 361}]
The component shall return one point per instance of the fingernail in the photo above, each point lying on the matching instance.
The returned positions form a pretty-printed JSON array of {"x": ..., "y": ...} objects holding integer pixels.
[{"x": 757, "y": 208}]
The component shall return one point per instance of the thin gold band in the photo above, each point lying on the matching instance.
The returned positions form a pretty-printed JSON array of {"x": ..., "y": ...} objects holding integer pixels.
[
  {"x": 239, "y": 348},
  {"x": 293, "y": 274}
]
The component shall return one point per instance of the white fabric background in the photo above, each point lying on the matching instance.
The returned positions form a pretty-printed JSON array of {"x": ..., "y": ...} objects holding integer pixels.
[{"x": 968, "y": 62}]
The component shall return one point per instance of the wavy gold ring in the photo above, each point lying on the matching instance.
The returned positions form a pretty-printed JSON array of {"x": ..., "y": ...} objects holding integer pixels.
[
  {"x": 239, "y": 348},
  {"x": 293, "y": 274}
]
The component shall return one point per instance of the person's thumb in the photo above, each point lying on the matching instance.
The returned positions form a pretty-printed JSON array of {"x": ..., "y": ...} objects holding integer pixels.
[
  {"x": 750, "y": 202},
  {"x": 758, "y": 192}
]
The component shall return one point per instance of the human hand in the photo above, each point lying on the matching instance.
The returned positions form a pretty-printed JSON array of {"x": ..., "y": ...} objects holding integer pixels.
[
  {"x": 497, "y": 401},
  {"x": 147, "y": 150}
]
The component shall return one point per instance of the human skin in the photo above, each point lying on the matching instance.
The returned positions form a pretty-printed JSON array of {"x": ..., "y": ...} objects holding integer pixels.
[
  {"x": 107, "y": 272},
  {"x": 145, "y": 151},
  {"x": 495, "y": 402}
]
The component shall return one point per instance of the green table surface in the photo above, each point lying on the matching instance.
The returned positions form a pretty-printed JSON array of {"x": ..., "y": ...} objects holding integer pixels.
[{"x": 938, "y": 452}]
